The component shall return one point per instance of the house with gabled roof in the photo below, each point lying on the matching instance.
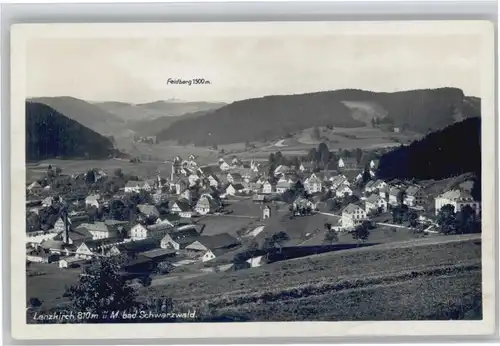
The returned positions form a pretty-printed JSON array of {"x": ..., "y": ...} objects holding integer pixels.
[
  {"x": 414, "y": 196},
  {"x": 74, "y": 221},
  {"x": 134, "y": 186},
  {"x": 375, "y": 203},
  {"x": 379, "y": 184},
  {"x": 282, "y": 186},
  {"x": 306, "y": 167},
  {"x": 41, "y": 255},
  {"x": 343, "y": 190},
  {"x": 234, "y": 189},
  {"x": 370, "y": 186},
  {"x": 281, "y": 169},
  {"x": 93, "y": 200},
  {"x": 179, "y": 185},
  {"x": 171, "y": 219},
  {"x": 179, "y": 239},
  {"x": 159, "y": 197},
  {"x": 384, "y": 192},
  {"x": 213, "y": 180},
  {"x": 234, "y": 178},
  {"x": 393, "y": 195},
  {"x": 339, "y": 180},
  {"x": 457, "y": 199},
  {"x": 182, "y": 208},
  {"x": 148, "y": 210},
  {"x": 99, "y": 230},
  {"x": 206, "y": 205},
  {"x": 34, "y": 187},
  {"x": 268, "y": 187},
  {"x": 352, "y": 216},
  {"x": 374, "y": 164},
  {"x": 211, "y": 246},
  {"x": 134, "y": 247},
  {"x": 313, "y": 184},
  {"x": 347, "y": 163},
  {"x": 193, "y": 179},
  {"x": 140, "y": 232},
  {"x": 149, "y": 184},
  {"x": 48, "y": 201},
  {"x": 223, "y": 165},
  {"x": 74, "y": 236}
]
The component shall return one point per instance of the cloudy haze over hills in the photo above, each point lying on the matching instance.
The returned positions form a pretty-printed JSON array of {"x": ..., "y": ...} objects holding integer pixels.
[{"x": 137, "y": 70}]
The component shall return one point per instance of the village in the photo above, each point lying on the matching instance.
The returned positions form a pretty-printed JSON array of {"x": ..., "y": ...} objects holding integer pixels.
[{"x": 231, "y": 215}]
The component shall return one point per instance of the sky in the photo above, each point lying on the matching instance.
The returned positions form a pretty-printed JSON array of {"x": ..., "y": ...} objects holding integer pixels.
[{"x": 136, "y": 70}]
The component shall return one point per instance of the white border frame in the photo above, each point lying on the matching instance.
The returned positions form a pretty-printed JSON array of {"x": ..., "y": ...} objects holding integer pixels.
[{"x": 256, "y": 329}]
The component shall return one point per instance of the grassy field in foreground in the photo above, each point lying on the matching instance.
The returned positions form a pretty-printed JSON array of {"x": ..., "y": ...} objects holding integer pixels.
[
  {"x": 355, "y": 278},
  {"x": 50, "y": 286}
]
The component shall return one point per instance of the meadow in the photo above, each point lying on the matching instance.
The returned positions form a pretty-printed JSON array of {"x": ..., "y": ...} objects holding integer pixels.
[{"x": 408, "y": 280}]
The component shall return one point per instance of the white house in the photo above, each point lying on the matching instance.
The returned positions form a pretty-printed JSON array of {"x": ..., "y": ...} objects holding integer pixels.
[
  {"x": 458, "y": 199},
  {"x": 84, "y": 251},
  {"x": 414, "y": 196},
  {"x": 379, "y": 184},
  {"x": 133, "y": 186},
  {"x": 99, "y": 230},
  {"x": 338, "y": 180},
  {"x": 207, "y": 256},
  {"x": 342, "y": 191},
  {"x": 213, "y": 181},
  {"x": 256, "y": 261},
  {"x": 179, "y": 239},
  {"x": 352, "y": 215},
  {"x": 393, "y": 196},
  {"x": 158, "y": 230},
  {"x": 281, "y": 169},
  {"x": 148, "y": 210},
  {"x": 234, "y": 189},
  {"x": 193, "y": 179},
  {"x": 267, "y": 187},
  {"x": 138, "y": 232},
  {"x": 384, "y": 192},
  {"x": 69, "y": 262},
  {"x": 313, "y": 184},
  {"x": 254, "y": 166},
  {"x": 341, "y": 163},
  {"x": 234, "y": 178},
  {"x": 206, "y": 205},
  {"x": 182, "y": 208},
  {"x": 92, "y": 200},
  {"x": 34, "y": 187},
  {"x": 375, "y": 203},
  {"x": 370, "y": 186},
  {"x": 223, "y": 165}
]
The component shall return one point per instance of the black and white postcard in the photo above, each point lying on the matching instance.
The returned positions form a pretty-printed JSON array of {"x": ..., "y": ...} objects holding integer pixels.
[{"x": 337, "y": 176}]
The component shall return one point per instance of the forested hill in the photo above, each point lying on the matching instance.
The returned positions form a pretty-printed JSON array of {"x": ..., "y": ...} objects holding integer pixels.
[
  {"x": 271, "y": 117},
  {"x": 450, "y": 152},
  {"x": 50, "y": 134}
]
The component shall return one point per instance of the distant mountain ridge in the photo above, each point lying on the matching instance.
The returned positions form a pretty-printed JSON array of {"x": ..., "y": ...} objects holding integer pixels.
[
  {"x": 50, "y": 134},
  {"x": 271, "y": 117},
  {"x": 85, "y": 113},
  {"x": 143, "y": 112}
]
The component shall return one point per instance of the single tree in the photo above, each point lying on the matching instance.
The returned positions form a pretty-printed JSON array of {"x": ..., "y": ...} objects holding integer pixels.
[
  {"x": 446, "y": 219},
  {"x": 361, "y": 232},
  {"x": 90, "y": 177},
  {"x": 118, "y": 173},
  {"x": 413, "y": 218},
  {"x": 101, "y": 289}
]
